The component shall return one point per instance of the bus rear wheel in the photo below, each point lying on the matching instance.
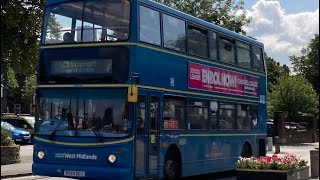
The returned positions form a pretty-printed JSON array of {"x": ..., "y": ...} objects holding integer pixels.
[{"x": 172, "y": 166}]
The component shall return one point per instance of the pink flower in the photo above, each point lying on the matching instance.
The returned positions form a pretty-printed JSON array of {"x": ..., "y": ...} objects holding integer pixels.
[{"x": 274, "y": 162}]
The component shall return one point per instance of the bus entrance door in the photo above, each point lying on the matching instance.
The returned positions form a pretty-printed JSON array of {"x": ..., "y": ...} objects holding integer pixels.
[{"x": 147, "y": 136}]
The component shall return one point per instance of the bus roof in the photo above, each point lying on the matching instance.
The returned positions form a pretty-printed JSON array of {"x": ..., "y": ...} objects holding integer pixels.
[{"x": 201, "y": 22}]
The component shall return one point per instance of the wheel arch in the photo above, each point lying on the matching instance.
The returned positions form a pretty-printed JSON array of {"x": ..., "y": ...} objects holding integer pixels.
[
  {"x": 174, "y": 152},
  {"x": 246, "y": 149},
  {"x": 174, "y": 148}
]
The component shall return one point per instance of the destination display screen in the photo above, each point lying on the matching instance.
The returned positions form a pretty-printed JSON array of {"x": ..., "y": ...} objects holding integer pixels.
[
  {"x": 84, "y": 65},
  {"x": 91, "y": 66}
]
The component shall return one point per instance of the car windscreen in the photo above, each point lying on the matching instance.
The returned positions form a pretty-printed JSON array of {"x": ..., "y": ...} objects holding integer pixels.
[
  {"x": 6, "y": 125},
  {"x": 30, "y": 120}
]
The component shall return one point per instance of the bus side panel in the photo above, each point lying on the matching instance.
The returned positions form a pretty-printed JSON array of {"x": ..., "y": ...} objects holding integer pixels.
[{"x": 207, "y": 154}]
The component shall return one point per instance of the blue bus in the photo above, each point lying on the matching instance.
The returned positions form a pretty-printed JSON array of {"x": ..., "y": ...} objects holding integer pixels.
[{"x": 132, "y": 89}]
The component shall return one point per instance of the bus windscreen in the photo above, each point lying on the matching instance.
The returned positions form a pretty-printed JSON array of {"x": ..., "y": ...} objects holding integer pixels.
[{"x": 83, "y": 113}]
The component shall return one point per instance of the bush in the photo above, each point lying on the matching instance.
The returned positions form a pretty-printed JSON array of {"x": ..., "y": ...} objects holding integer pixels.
[{"x": 6, "y": 139}]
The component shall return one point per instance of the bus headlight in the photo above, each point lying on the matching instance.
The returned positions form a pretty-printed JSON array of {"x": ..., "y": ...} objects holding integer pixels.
[
  {"x": 112, "y": 158},
  {"x": 40, "y": 154}
]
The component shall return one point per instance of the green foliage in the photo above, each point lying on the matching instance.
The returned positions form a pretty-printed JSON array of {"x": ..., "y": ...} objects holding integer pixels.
[
  {"x": 12, "y": 81},
  {"x": 294, "y": 96},
  {"x": 5, "y": 138},
  {"x": 21, "y": 94},
  {"x": 274, "y": 72},
  {"x": 308, "y": 64},
  {"x": 225, "y": 13},
  {"x": 20, "y": 32},
  {"x": 55, "y": 28},
  {"x": 30, "y": 89}
]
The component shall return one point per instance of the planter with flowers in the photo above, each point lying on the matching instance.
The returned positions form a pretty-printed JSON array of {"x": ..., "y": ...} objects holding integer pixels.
[
  {"x": 289, "y": 167},
  {"x": 10, "y": 152}
]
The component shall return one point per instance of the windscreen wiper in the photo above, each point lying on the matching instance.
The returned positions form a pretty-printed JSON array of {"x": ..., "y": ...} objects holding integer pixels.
[
  {"x": 98, "y": 135},
  {"x": 86, "y": 119},
  {"x": 53, "y": 134}
]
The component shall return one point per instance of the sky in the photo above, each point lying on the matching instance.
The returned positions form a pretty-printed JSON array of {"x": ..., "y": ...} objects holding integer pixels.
[{"x": 284, "y": 26}]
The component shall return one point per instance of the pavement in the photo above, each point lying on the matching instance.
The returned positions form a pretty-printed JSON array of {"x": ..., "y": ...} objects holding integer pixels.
[
  {"x": 19, "y": 169},
  {"x": 23, "y": 168},
  {"x": 302, "y": 150}
]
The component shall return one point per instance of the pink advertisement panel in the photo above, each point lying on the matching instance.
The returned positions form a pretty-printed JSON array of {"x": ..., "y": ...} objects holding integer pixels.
[{"x": 212, "y": 79}]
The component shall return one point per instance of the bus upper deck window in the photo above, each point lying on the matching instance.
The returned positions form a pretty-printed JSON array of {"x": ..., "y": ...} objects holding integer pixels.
[
  {"x": 226, "y": 47},
  {"x": 197, "y": 41},
  {"x": 150, "y": 26},
  {"x": 257, "y": 59},
  {"x": 174, "y": 33},
  {"x": 87, "y": 22},
  {"x": 243, "y": 54}
]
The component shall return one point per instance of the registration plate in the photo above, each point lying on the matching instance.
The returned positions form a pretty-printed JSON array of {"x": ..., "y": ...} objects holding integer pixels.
[{"x": 74, "y": 173}]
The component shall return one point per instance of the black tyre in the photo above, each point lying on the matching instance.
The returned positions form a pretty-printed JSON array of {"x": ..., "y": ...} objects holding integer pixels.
[{"x": 172, "y": 166}]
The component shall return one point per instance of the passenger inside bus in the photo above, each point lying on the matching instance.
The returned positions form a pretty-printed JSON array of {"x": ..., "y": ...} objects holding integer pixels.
[
  {"x": 67, "y": 38},
  {"x": 125, "y": 124},
  {"x": 226, "y": 119},
  {"x": 140, "y": 125},
  {"x": 108, "y": 118},
  {"x": 86, "y": 124},
  {"x": 95, "y": 122},
  {"x": 68, "y": 117}
]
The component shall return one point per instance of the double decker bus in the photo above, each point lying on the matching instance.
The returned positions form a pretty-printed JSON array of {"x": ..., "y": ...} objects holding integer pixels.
[{"x": 132, "y": 89}]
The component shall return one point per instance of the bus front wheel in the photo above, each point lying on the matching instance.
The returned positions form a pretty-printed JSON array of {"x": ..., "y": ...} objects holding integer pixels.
[{"x": 172, "y": 166}]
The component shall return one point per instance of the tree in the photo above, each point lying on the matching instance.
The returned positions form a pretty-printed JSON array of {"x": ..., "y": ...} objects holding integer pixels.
[
  {"x": 308, "y": 64},
  {"x": 55, "y": 30},
  {"x": 20, "y": 34},
  {"x": 273, "y": 72},
  {"x": 225, "y": 13},
  {"x": 294, "y": 96}
]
